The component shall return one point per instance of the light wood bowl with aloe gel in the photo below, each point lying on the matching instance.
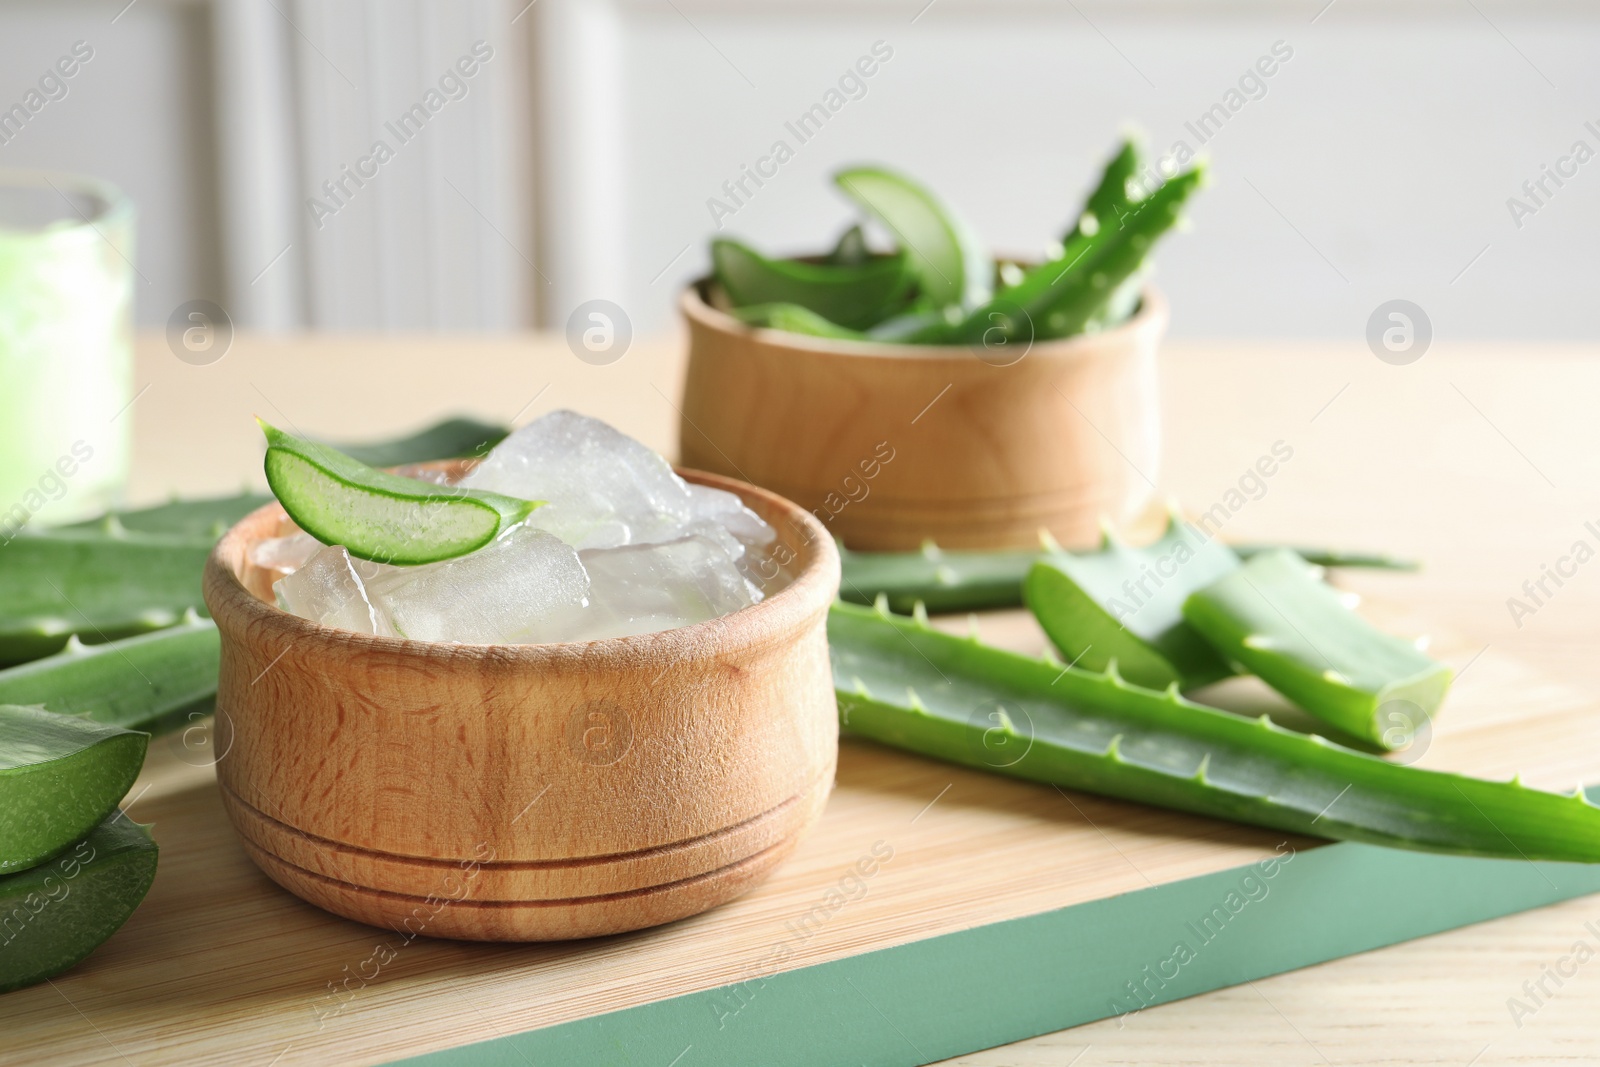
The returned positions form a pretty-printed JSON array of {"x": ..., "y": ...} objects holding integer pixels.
[
  {"x": 526, "y": 792},
  {"x": 890, "y": 445}
]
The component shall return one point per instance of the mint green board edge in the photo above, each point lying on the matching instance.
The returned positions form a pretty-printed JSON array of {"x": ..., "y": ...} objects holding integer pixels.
[{"x": 929, "y": 1000}]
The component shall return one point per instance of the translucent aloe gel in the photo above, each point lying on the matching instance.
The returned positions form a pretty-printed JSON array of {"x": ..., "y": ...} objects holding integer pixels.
[{"x": 66, "y": 348}]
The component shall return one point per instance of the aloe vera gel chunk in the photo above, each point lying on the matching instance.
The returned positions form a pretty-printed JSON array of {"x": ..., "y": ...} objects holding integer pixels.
[{"x": 1275, "y": 616}]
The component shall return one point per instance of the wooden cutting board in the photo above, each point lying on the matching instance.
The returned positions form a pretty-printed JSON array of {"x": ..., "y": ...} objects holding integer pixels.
[
  {"x": 935, "y": 910},
  {"x": 1006, "y": 909}
]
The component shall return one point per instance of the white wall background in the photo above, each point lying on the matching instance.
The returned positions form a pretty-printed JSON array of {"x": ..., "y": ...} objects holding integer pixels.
[{"x": 1377, "y": 165}]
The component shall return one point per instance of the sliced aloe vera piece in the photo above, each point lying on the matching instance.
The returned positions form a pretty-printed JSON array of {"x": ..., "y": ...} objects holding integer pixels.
[
  {"x": 955, "y": 699},
  {"x": 380, "y": 516},
  {"x": 137, "y": 683},
  {"x": 852, "y": 297},
  {"x": 1275, "y": 616},
  {"x": 1124, "y": 604},
  {"x": 54, "y": 915},
  {"x": 98, "y": 587},
  {"x": 59, "y": 775},
  {"x": 795, "y": 319},
  {"x": 208, "y": 518},
  {"x": 940, "y": 580},
  {"x": 950, "y": 265}
]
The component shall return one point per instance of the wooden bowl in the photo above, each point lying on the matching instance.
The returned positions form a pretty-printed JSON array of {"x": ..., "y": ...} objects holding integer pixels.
[
  {"x": 526, "y": 792},
  {"x": 889, "y": 445}
]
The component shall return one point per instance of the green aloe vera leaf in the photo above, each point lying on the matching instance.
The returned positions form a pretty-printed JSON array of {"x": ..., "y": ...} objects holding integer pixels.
[
  {"x": 851, "y": 249},
  {"x": 852, "y": 297},
  {"x": 795, "y": 319},
  {"x": 137, "y": 683},
  {"x": 54, "y": 915},
  {"x": 1334, "y": 557},
  {"x": 1057, "y": 299},
  {"x": 1124, "y": 604},
  {"x": 59, "y": 776},
  {"x": 1080, "y": 294},
  {"x": 100, "y": 588},
  {"x": 951, "y": 266},
  {"x": 1278, "y": 619},
  {"x": 451, "y": 438},
  {"x": 1112, "y": 196},
  {"x": 198, "y": 519},
  {"x": 904, "y": 684},
  {"x": 942, "y": 581},
  {"x": 380, "y": 516},
  {"x": 946, "y": 581}
]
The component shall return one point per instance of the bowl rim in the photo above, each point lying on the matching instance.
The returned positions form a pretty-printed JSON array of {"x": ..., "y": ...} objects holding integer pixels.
[
  {"x": 237, "y": 610},
  {"x": 1151, "y": 318}
]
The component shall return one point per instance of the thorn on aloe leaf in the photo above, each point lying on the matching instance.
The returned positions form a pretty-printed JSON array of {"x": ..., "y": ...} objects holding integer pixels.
[{"x": 919, "y": 612}]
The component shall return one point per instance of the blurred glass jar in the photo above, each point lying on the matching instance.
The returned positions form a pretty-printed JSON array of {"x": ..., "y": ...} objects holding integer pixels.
[{"x": 66, "y": 348}]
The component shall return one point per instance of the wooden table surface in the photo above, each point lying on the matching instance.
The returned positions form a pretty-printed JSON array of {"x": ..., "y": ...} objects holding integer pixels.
[{"x": 1482, "y": 461}]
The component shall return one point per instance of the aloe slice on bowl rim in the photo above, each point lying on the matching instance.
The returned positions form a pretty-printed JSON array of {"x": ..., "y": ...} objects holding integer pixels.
[
  {"x": 950, "y": 264},
  {"x": 379, "y": 516},
  {"x": 59, "y": 776}
]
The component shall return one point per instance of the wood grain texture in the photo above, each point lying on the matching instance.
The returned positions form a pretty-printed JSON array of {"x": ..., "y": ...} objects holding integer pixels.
[
  {"x": 220, "y": 965},
  {"x": 894, "y": 444},
  {"x": 526, "y": 792}
]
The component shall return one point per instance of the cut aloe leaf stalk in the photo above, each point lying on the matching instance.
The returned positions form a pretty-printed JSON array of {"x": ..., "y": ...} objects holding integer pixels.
[
  {"x": 980, "y": 581},
  {"x": 952, "y": 698},
  {"x": 138, "y": 683},
  {"x": 940, "y": 580},
  {"x": 98, "y": 587},
  {"x": 795, "y": 319},
  {"x": 452, "y": 438},
  {"x": 1111, "y": 198},
  {"x": 1057, "y": 299},
  {"x": 950, "y": 265},
  {"x": 1278, "y": 619},
  {"x": 204, "y": 519},
  {"x": 1334, "y": 557},
  {"x": 1125, "y": 605},
  {"x": 380, "y": 516},
  {"x": 852, "y": 297},
  {"x": 59, "y": 912},
  {"x": 59, "y": 776}
]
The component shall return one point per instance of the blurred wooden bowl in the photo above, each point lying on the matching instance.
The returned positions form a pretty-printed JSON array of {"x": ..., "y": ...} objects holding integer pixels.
[
  {"x": 890, "y": 445},
  {"x": 526, "y": 792}
]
